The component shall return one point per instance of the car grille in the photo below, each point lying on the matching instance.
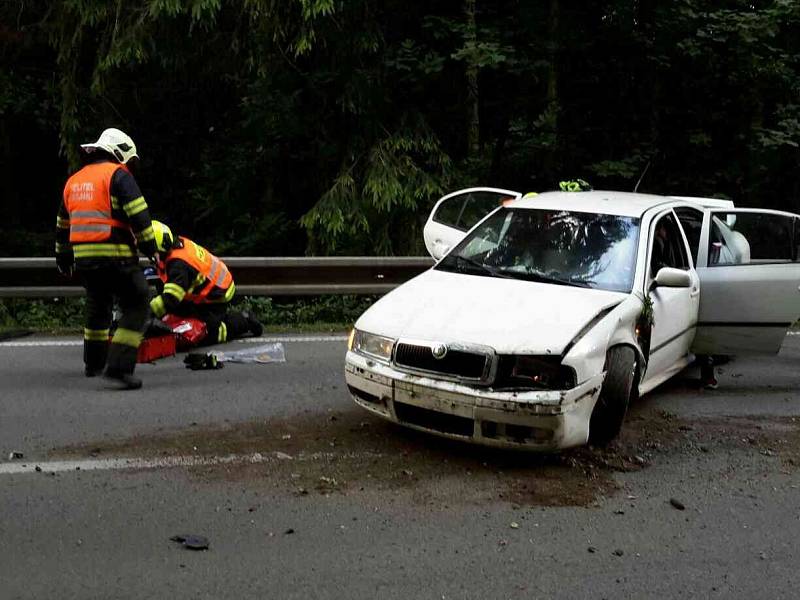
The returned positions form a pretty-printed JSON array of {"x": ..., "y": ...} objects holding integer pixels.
[{"x": 456, "y": 363}]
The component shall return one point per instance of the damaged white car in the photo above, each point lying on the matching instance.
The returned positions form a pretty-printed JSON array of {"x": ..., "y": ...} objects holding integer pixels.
[{"x": 545, "y": 317}]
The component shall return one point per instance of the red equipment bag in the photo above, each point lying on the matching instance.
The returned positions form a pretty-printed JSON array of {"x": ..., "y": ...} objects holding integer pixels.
[
  {"x": 189, "y": 331},
  {"x": 156, "y": 347}
]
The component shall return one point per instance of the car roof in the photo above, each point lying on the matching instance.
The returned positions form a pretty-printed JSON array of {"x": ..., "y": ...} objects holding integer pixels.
[{"x": 607, "y": 202}]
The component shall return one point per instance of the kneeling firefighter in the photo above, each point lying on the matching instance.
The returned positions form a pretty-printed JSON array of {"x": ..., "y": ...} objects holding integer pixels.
[{"x": 198, "y": 284}]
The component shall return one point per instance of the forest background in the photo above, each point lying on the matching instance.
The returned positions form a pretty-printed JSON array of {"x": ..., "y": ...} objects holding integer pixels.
[{"x": 323, "y": 127}]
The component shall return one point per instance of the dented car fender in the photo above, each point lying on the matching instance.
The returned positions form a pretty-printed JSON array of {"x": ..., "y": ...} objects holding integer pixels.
[{"x": 588, "y": 355}]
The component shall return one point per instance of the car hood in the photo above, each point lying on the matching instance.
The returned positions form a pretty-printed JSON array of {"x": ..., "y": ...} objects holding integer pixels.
[{"x": 510, "y": 315}]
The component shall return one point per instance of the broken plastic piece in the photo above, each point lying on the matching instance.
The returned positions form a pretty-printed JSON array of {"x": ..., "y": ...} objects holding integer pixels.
[
  {"x": 266, "y": 353},
  {"x": 192, "y": 542}
]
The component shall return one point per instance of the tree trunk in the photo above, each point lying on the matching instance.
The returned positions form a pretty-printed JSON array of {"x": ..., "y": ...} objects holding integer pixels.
[
  {"x": 473, "y": 129},
  {"x": 552, "y": 74},
  {"x": 551, "y": 163}
]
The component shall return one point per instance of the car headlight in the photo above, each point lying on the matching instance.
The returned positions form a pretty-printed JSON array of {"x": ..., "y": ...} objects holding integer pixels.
[
  {"x": 376, "y": 346},
  {"x": 534, "y": 372}
]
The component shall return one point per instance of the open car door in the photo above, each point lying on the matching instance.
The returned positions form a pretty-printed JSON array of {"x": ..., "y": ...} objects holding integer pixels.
[
  {"x": 455, "y": 214},
  {"x": 749, "y": 277}
]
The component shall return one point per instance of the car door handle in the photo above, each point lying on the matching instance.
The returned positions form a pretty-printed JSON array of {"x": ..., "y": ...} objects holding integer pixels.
[{"x": 694, "y": 292}]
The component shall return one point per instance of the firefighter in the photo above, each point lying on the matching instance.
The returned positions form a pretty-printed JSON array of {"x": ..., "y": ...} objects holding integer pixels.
[
  {"x": 198, "y": 284},
  {"x": 102, "y": 221}
]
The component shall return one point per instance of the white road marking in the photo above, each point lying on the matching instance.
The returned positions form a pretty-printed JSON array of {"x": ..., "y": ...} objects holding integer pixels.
[
  {"x": 260, "y": 340},
  {"x": 23, "y": 466}
]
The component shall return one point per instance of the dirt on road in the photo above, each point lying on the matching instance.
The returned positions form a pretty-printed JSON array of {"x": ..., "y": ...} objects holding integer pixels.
[{"x": 348, "y": 451}]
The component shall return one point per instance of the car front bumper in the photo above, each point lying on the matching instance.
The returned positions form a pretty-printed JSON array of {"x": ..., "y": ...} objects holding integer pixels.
[{"x": 537, "y": 420}]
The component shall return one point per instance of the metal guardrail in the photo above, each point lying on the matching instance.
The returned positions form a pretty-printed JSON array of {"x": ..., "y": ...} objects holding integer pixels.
[{"x": 254, "y": 276}]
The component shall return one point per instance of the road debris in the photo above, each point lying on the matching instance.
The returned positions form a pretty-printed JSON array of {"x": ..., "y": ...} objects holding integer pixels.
[
  {"x": 289, "y": 531},
  {"x": 191, "y": 541},
  {"x": 14, "y": 455},
  {"x": 592, "y": 549},
  {"x": 327, "y": 484},
  {"x": 514, "y": 525},
  {"x": 618, "y": 552},
  {"x": 677, "y": 504}
]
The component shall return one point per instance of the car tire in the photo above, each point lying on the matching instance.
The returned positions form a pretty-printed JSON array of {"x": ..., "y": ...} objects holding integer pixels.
[{"x": 615, "y": 395}]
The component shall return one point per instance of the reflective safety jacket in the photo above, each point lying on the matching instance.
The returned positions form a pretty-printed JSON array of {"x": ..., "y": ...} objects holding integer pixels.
[
  {"x": 192, "y": 274},
  {"x": 102, "y": 216}
]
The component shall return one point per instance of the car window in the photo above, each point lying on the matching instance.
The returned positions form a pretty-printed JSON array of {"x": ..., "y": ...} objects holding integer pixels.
[
  {"x": 551, "y": 246},
  {"x": 463, "y": 211},
  {"x": 692, "y": 222},
  {"x": 669, "y": 249},
  {"x": 737, "y": 238}
]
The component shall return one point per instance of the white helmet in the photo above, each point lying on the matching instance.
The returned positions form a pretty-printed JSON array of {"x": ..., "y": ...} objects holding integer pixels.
[{"x": 115, "y": 142}]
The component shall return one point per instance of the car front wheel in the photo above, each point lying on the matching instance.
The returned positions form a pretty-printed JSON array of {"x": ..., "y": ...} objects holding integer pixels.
[{"x": 612, "y": 404}]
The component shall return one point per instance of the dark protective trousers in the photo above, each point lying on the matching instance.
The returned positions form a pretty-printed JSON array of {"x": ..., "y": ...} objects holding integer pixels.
[
  {"x": 125, "y": 282},
  {"x": 222, "y": 325}
]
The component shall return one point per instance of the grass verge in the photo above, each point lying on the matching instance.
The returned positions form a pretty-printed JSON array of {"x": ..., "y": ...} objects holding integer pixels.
[{"x": 284, "y": 315}]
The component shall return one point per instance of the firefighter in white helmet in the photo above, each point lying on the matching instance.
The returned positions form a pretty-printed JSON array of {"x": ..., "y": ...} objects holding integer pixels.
[{"x": 103, "y": 223}]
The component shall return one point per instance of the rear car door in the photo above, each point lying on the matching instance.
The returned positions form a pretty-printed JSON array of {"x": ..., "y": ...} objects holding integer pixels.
[
  {"x": 749, "y": 277},
  {"x": 455, "y": 214}
]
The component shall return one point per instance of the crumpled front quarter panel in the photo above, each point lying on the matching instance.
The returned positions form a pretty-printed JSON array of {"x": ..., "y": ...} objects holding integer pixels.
[{"x": 588, "y": 355}]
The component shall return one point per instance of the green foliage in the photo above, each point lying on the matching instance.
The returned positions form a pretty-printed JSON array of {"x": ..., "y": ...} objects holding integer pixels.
[
  {"x": 303, "y": 311},
  {"x": 49, "y": 314},
  {"x": 61, "y": 314},
  {"x": 394, "y": 178},
  {"x": 321, "y": 126}
]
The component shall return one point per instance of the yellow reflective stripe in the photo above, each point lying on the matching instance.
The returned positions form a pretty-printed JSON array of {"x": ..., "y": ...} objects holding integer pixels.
[
  {"x": 102, "y": 250},
  {"x": 62, "y": 223},
  {"x": 222, "y": 335},
  {"x": 95, "y": 335},
  {"x": 158, "y": 307},
  {"x": 61, "y": 248},
  {"x": 198, "y": 281},
  {"x": 146, "y": 234},
  {"x": 134, "y": 207},
  {"x": 114, "y": 203},
  {"x": 229, "y": 293},
  {"x": 127, "y": 337},
  {"x": 174, "y": 290}
]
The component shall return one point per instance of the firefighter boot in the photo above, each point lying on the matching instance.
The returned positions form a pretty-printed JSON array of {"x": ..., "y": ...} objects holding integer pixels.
[
  {"x": 121, "y": 381},
  {"x": 94, "y": 356}
]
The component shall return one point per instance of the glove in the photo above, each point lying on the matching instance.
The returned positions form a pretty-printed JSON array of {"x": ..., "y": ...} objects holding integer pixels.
[{"x": 65, "y": 267}]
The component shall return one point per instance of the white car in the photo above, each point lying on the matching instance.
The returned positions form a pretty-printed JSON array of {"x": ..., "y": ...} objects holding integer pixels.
[{"x": 544, "y": 317}]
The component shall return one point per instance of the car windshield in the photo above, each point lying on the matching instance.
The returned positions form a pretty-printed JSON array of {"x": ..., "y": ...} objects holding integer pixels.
[{"x": 551, "y": 246}]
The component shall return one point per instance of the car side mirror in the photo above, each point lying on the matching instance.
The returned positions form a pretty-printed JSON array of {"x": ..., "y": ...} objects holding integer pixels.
[{"x": 671, "y": 277}]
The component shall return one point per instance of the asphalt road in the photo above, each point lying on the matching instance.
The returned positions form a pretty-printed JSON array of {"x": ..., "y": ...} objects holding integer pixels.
[{"x": 340, "y": 505}]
